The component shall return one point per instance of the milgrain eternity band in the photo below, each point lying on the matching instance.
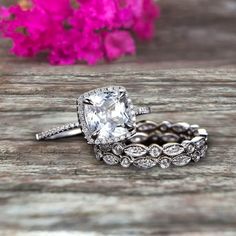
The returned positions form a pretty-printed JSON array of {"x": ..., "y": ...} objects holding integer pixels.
[
  {"x": 157, "y": 144},
  {"x": 105, "y": 115}
]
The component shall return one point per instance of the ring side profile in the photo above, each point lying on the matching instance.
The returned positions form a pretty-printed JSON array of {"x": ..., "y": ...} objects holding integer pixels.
[
  {"x": 105, "y": 115},
  {"x": 154, "y": 144}
]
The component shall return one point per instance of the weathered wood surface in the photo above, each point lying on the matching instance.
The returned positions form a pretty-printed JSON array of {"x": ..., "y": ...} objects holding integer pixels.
[{"x": 58, "y": 188}]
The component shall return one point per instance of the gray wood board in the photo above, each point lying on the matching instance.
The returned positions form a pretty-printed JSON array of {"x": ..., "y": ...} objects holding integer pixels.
[{"x": 187, "y": 74}]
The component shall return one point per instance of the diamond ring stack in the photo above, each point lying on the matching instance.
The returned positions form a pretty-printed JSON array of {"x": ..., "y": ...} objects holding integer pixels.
[
  {"x": 105, "y": 115},
  {"x": 154, "y": 144},
  {"x": 107, "y": 118}
]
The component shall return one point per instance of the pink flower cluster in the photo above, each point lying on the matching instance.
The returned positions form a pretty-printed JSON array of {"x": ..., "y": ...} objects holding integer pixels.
[{"x": 78, "y": 30}]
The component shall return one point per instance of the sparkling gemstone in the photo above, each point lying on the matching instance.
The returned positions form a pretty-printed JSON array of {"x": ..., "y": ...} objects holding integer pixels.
[
  {"x": 196, "y": 156},
  {"x": 164, "y": 163},
  {"x": 155, "y": 150},
  {"x": 189, "y": 146},
  {"x": 145, "y": 162},
  {"x": 126, "y": 162},
  {"x": 118, "y": 148},
  {"x": 180, "y": 127},
  {"x": 111, "y": 159},
  {"x": 108, "y": 115},
  {"x": 135, "y": 150},
  {"x": 181, "y": 160},
  {"x": 173, "y": 149},
  {"x": 199, "y": 141}
]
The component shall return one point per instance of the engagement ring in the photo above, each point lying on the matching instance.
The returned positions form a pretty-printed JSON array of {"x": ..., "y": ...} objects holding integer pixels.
[{"x": 105, "y": 115}]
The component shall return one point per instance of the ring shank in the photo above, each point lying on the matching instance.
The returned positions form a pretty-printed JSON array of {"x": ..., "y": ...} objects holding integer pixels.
[
  {"x": 66, "y": 130},
  {"x": 142, "y": 110}
]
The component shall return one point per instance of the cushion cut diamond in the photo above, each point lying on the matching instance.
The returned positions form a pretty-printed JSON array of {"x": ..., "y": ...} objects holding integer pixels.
[{"x": 107, "y": 115}]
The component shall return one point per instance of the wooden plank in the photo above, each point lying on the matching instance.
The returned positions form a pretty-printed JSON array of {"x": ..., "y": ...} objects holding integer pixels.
[
  {"x": 58, "y": 188},
  {"x": 112, "y": 213}
]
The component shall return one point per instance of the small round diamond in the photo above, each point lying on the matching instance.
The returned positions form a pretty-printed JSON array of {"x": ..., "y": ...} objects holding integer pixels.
[
  {"x": 190, "y": 148},
  {"x": 155, "y": 150},
  {"x": 164, "y": 163},
  {"x": 196, "y": 156},
  {"x": 118, "y": 149},
  {"x": 126, "y": 162}
]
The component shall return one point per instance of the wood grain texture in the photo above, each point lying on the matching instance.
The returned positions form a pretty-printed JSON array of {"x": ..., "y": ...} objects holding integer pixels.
[{"x": 57, "y": 188}]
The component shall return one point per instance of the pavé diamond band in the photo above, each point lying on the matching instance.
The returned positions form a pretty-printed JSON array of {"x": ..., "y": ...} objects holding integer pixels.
[
  {"x": 105, "y": 115},
  {"x": 157, "y": 144}
]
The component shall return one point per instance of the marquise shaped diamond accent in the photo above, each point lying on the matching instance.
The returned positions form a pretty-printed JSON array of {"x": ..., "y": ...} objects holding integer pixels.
[
  {"x": 135, "y": 150},
  {"x": 180, "y": 127},
  {"x": 146, "y": 126},
  {"x": 173, "y": 149},
  {"x": 170, "y": 137},
  {"x": 145, "y": 163},
  {"x": 181, "y": 160},
  {"x": 111, "y": 159}
]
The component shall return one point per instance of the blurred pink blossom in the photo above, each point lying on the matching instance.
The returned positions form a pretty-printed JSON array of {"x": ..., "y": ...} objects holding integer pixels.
[{"x": 80, "y": 30}]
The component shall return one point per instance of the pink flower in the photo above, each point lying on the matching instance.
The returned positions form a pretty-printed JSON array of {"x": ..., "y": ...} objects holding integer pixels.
[
  {"x": 58, "y": 10},
  {"x": 145, "y": 23},
  {"x": 118, "y": 44},
  {"x": 63, "y": 50},
  {"x": 78, "y": 30},
  {"x": 90, "y": 48}
]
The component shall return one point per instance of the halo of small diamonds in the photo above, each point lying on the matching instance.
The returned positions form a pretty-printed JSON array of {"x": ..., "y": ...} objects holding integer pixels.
[{"x": 85, "y": 100}]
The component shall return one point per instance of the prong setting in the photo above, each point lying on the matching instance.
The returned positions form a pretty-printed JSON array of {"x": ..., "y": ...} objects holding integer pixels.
[{"x": 87, "y": 101}]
